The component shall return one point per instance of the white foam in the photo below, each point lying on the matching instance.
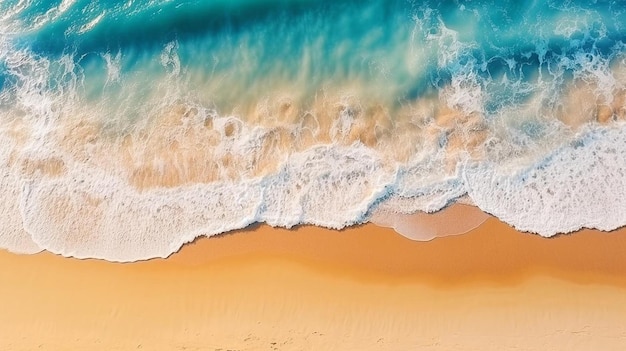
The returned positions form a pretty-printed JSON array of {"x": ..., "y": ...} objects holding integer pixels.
[
  {"x": 90, "y": 214},
  {"x": 113, "y": 64},
  {"x": 582, "y": 184},
  {"x": 169, "y": 58},
  {"x": 13, "y": 237},
  {"x": 91, "y": 24},
  {"x": 330, "y": 186},
  {"x": 86, "y": 213}
]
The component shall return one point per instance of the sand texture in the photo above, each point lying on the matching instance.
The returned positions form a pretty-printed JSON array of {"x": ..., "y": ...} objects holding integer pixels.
[{"x": 364, "y": 288}]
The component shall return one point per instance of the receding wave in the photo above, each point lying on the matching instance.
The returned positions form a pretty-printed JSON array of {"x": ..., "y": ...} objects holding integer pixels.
[{"x": 131, "y": 129}]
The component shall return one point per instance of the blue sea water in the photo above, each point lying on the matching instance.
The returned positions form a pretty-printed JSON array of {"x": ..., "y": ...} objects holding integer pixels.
[{"x": 132, "y": 127}]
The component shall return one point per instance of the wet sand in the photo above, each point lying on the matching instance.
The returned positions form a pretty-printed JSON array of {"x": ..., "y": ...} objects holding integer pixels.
[{"x": 364, "y": 288}]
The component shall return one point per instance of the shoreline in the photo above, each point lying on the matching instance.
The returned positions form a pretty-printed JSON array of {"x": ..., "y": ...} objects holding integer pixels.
[
  {"x": 493, "y": 252},
  {"x": 308, "y": 288}
]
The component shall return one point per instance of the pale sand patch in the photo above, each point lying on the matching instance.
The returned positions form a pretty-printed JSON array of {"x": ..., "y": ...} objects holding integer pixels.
[{"x": 314, "y": 289}]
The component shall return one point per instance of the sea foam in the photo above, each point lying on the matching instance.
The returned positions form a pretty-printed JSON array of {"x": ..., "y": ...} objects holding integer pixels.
[
  {"x": 580, "y": 185},
  {"x": 127, "y": 147}
]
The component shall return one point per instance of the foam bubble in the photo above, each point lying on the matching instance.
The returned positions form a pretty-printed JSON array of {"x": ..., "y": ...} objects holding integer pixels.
[{"x": 579, "y": 185}]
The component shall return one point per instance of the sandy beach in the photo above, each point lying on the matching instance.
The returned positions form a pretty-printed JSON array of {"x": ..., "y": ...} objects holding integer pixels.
[
  {"x": 169, "y": 171},
  {"x": 364, "y": 288}
]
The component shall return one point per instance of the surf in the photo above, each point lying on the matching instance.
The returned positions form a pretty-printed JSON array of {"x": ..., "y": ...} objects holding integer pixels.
[{"x": 132, "y": 129}]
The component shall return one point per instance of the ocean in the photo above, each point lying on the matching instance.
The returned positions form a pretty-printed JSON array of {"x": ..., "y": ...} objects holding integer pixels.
[{"x": 129, "y": 128}]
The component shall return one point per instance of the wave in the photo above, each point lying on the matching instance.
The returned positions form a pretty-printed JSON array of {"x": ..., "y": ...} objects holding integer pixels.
[{"x": 125, "y": 147}]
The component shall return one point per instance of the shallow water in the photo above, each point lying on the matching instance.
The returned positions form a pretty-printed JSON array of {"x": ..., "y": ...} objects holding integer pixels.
[{"x": 132, "y": 128}]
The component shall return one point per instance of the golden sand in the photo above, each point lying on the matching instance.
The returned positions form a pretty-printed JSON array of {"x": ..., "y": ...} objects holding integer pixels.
[{"x": 364, "y": 288}]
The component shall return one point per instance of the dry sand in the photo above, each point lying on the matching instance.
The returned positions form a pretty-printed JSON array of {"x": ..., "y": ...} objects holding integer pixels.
[{"x": 365, "y": 288}]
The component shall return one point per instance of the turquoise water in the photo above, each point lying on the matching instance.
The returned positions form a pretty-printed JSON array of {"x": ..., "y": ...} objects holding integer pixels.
[{"x": 133, "y": 127}]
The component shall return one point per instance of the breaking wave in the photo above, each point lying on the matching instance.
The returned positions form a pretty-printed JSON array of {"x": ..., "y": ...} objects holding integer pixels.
[{"x": 130, "y": 129}]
